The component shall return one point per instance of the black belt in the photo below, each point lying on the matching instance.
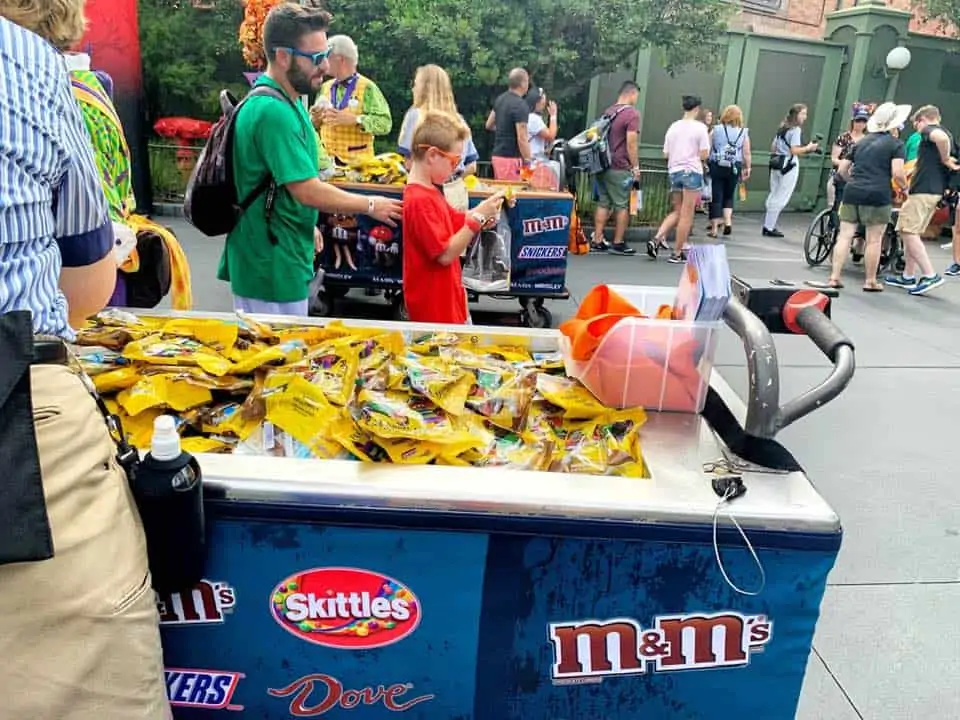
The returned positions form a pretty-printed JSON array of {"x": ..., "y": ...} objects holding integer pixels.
[{"x": 49, "y": 352}]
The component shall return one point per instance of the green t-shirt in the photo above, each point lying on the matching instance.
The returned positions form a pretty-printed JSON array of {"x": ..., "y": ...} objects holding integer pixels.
[
  {"x": 276, "y": 137},
  {"x": 911, "y": 148}
]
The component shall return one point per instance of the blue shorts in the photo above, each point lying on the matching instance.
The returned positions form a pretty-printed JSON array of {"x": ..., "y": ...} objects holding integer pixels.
[{"x": 685, "y": 180}]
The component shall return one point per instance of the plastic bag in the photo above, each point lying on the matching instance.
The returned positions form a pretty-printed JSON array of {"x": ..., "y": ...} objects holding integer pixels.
[
  {"x": 577, "y": 402},
  {"x": 446, "y": 385},
  {"x": 487, "y": 266},
  {"x": 302, "y": 410},
  {"x": 162, "y": 391}
]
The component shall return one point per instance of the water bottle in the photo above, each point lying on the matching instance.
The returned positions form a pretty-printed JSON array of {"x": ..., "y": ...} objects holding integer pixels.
[
  {"x": 169, "y": 494},
  {"x": 630, "y": 183}
]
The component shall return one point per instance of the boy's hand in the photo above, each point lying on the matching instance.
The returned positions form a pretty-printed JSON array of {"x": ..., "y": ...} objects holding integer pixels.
[
  {"x": 491, "y": 206},
  {"x": 317, "y": 241}
]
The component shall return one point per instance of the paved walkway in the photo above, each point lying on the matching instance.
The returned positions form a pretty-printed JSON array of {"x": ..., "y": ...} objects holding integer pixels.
[{"x": 888, "y": 642}]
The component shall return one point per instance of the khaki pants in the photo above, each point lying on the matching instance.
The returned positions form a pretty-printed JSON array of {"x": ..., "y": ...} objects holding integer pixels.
[{"x": 79, "y": 633}]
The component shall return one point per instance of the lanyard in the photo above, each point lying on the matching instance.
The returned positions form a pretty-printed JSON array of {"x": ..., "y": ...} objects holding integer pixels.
[{"x": 348, "y": 87}]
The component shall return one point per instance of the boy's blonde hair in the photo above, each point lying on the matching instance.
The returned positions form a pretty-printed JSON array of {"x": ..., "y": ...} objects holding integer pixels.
[
  {"x": 437, "y": 129},
  {"x": 62, "y": 23}
]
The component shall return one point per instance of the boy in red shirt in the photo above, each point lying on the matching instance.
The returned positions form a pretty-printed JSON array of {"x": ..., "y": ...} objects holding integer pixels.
[{"x": 434, "y": 234}]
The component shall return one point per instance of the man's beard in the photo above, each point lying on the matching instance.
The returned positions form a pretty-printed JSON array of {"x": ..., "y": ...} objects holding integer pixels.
[{"x": 299, "y": 80}]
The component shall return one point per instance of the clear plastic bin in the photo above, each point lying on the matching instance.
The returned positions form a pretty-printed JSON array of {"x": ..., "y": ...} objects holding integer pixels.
[{"x": 650, "y": 363}]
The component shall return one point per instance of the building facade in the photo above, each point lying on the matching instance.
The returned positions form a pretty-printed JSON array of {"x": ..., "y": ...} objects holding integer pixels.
[{"x": 807, "y": 18}]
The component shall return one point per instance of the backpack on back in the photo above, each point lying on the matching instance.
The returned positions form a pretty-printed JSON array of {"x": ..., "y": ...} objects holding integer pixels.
[
  {"x": 590, "y": 150},
  {"x": 210, "y": 202}
]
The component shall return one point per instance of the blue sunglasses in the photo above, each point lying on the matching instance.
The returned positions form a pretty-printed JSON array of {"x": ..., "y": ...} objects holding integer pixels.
[{"x": 316, "y": 58}]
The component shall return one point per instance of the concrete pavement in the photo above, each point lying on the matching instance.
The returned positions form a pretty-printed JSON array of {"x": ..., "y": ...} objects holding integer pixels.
[{"x": 888, "y": 642}]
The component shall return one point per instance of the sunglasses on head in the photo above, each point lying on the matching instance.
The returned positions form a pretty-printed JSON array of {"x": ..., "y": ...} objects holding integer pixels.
[
  {"x": 316, "y": 58},
  {"x": 452, "y": 157}
]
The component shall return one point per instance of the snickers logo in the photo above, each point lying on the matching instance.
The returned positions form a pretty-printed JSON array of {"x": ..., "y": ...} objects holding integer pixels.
[{"x": 211, "y": 689}]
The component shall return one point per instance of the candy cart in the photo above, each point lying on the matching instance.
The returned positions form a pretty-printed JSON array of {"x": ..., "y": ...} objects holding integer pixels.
[
  {"x": 360, "y": 253},
  {"x": 369, "y": 590}
]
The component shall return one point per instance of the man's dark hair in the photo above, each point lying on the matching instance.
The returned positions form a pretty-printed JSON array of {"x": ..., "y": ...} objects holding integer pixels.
[
  {"x": 287, "y": 22},
  {"x": 691, "y": 102},
  {"x": 629, "y": 86}
]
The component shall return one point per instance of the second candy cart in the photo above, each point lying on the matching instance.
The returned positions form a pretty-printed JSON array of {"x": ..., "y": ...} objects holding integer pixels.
[{"x": 363, "y": 254}]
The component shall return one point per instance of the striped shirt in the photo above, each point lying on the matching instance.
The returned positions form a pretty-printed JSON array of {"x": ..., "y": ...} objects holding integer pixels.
[{"x": 53, "y": 212}]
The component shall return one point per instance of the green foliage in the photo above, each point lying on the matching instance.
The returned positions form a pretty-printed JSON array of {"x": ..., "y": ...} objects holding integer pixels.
[
  {"x": 563, "y": 43},
  {"x": 947, "y": 12},
  {"x": 189, "y": 55}
]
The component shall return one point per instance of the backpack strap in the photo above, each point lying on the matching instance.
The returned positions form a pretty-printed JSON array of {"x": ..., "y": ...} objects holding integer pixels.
[{"x": 267, "y": 184}]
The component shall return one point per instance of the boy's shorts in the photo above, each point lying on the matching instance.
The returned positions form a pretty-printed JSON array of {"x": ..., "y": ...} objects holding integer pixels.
[{"x": 610, "y": 188}]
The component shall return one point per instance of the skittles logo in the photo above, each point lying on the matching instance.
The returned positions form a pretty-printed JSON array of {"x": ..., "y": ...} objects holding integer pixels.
[{"x": 345, "y": 608}]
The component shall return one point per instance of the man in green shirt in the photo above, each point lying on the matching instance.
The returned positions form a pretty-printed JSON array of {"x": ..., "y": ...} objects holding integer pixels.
[{"x": 268, "y": 257}]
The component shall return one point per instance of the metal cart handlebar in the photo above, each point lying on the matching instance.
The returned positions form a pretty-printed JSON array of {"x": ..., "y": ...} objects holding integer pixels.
[{"x": 799, "y": 312}]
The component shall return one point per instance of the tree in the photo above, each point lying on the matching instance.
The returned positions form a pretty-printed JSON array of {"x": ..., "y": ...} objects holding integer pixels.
[
  {"x": 563, "y": 43},
  {"x": 190, "y": 53},
  {"x": 947, "y": 12}
]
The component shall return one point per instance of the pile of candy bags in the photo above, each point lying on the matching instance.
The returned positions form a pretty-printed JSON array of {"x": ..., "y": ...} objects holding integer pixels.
[{"x": 367, "y": 394}]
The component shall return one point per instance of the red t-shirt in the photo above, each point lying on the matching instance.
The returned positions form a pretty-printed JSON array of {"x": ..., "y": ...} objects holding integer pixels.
[{"x": 433, "y": 292}]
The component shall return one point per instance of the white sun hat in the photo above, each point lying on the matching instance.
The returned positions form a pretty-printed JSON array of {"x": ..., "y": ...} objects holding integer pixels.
[{"x": 887, "y": 117}]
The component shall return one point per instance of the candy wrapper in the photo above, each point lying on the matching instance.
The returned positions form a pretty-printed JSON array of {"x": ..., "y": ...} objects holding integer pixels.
[
  {"x": 487, "y": 265},
  {"x": 365, "y": 394}
]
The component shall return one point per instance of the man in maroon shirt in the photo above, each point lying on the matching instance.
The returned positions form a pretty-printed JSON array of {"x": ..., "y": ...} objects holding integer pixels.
[{"x": 614, "y": 185}]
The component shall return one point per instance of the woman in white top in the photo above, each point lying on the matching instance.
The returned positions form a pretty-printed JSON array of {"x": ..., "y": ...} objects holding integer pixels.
[
  {"x": 540, "y": 133},
  {"x": 785, "y": 167},
  {"x": 432, "y": 90}
]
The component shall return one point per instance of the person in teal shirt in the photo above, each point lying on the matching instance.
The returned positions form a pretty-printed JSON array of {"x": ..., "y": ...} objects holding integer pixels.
[{"x": 911, "y": 148}]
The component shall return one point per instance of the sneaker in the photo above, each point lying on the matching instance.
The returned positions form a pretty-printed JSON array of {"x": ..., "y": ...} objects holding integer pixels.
[
  {"x": 621, "y": 249},
  {"x": 600, "y": 245},
  {"x": 677, "y": 258},
  {"x": 927, "y": 284},
  {"x": 772, "y": 233},
  {"x": 653, "y": 247},
  {"x": 900, "y": 281},
  {"x": 953, "y": 270},
  {"x": 662, "y": 245}
]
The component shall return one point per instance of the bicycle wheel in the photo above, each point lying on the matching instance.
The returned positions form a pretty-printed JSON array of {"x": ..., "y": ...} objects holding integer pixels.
[
  {"x": 820, "y": 238},
  {"x": 889, "y": 248}
]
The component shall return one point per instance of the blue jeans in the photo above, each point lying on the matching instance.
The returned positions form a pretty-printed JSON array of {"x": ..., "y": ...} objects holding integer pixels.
[{"x": 685, "y": 180}]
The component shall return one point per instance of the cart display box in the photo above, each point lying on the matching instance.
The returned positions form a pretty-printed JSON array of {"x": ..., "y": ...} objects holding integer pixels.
[{"x": 367, "y": 590}]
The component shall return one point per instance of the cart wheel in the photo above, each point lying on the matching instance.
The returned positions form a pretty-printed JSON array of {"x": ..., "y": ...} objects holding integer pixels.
[
  {"x": 400, "y": 309},
  {"x": 538, "y": 303},
  {"x": 820, "y": 238},
  {"x": 889, "y": 248},
  {"x": 537, "y": 317},
  {"x": 321, "y": 305}
]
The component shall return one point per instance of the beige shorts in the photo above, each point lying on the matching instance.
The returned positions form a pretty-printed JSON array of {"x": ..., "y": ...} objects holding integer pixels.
[
  {"x": 916, "y": 213},
  {"x": 79, "y": 633}
]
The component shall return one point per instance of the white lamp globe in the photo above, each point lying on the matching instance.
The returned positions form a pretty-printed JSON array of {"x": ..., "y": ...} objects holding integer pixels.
[{"x": 898, "y": 58}]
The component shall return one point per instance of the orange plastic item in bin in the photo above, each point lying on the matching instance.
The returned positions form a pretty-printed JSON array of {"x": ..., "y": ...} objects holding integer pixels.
[
  {"x": 600, "y": 310},
  {"x": 628, "y": 359}
]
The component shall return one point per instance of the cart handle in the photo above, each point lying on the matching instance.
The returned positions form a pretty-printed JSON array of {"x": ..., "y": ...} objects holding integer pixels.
[{"x": 803, "y": 314}]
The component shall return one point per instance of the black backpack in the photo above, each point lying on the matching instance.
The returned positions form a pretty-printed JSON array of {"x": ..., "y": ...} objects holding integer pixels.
[
  {"x": 590, "y": 150},
  {"x": 210, "y": 203}
]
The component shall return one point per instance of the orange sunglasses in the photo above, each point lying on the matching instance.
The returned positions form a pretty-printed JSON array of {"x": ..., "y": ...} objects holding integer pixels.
[{"x": 452, "y": 157}]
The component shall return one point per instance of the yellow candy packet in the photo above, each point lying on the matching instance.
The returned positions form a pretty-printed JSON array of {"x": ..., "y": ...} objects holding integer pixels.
[
  {"x": 333, "y": 367},
  {"x": 432, "y": 343},
  {"x": 197, "y": 376},
  {"x": 445, "y": 385},
  {"x": 254, "y": 330},
  {"x": 114, "y": 380},
  {"x": 355, "y": 440},
  {"x": 405, "y": 451},
  {"x": 302, "y": 410},
  {"x": 226, "y": 419},
  {"x": 196, "y": 445},
  {"x": 217, "y": 334},
  {"x": 505, "y": 406},
  {"x": 162, "y": 391},
  {"x": 394, "y": 416},
  {"x": 288, "y": 352},
  {"x": 157, "y": 350},
  {"x": 577, "y": 402},
  {"x": 504, "y": 353}
]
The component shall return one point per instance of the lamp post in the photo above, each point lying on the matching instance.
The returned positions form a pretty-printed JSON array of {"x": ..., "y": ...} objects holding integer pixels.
[{"x": 897, "y": 61}]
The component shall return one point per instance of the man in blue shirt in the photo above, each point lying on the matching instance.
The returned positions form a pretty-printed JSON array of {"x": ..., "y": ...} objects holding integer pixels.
[{"x": 78, "y": 618}]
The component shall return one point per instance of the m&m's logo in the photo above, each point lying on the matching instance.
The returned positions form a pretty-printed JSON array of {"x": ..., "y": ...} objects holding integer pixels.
[{"x": 346, "y": 608}]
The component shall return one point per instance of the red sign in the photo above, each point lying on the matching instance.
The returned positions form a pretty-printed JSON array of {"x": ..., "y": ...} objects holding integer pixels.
[
  {"x": 345, "y": 608},
  {"x": 314, "y": 695}
]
